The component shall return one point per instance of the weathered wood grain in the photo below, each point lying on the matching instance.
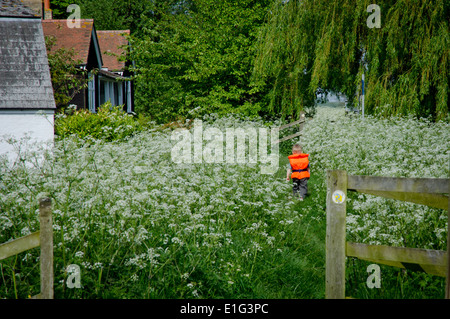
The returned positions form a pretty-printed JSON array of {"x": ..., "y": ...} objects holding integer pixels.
[
  {"x": 46, "y": 259},
  {"x": 398, "y": 184},
  {"x": 432, "y": 200},
  {"x": 447, "y": 286},
  {"x": 19, "y": 245},
  {"x": 431, "y": 261},
  {"x": 335, "y": 238}
]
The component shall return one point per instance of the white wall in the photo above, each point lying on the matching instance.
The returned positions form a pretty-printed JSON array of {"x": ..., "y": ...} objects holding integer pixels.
[{"x": 39, "y": 125}]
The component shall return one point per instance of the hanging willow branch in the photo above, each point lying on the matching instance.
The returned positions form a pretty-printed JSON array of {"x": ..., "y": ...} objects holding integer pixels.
[{"x": 313, "y": 44}]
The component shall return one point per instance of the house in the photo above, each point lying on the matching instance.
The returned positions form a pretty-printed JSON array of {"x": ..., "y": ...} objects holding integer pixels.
[
  {"x": 84, "y": 42},
  {"x": 107, "y": 82},
  {"x": 27, "y": 104},
  {"x": 112, "y": 46}
]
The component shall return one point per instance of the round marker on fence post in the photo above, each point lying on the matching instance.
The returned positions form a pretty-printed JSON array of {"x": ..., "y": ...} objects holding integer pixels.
[{"x": 46, "y": 238}]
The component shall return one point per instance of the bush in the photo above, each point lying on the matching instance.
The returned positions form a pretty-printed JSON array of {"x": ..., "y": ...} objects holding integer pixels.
[{"x": 110, "y": 123}]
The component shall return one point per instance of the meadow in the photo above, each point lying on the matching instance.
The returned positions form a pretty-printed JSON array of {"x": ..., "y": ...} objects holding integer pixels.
[{"x": 141, "y": 226}]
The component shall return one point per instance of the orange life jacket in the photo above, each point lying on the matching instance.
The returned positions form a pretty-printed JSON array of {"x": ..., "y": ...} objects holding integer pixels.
[{"x": 299, "y": 165}]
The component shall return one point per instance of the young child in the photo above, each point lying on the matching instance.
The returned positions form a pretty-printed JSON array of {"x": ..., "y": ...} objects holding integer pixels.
[{"x": 298, "y": 170}]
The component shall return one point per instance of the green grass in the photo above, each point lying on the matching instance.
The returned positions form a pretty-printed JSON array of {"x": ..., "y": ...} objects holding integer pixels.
[{"x": 140, "y": 226}]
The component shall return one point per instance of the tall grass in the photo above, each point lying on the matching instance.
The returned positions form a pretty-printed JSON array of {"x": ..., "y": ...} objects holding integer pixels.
[
  {"x": 141, "y": 226},
  {"x": 398, "y": 147}
]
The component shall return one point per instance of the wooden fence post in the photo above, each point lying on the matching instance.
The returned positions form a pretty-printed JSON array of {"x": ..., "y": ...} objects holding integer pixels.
[
  {"x": 46, "y": 238},
  {"x": 336, "y": 234},
  {"x": 447, "y": 286},
  {"x": 302, "y": 117}
]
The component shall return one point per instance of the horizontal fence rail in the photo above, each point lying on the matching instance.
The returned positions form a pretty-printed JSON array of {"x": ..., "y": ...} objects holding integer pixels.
[
  {"x": 299, "y": 122},
  {"x": 430, "y": 261},
  {"x": 20, "y": 245},
  {"x": 424, "y": 191},
  {"x": 433, "y": 192},
  {"x": 43, "y": 239},
  {"x": 398, "y": 184}
]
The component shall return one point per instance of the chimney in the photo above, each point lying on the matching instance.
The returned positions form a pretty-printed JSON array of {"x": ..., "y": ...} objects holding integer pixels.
[{"x": 48, "y": 15}]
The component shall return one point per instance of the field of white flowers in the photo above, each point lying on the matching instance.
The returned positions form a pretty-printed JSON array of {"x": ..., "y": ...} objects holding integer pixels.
[
  {"x": 141, "y": 226},
  {"x": 395, "y": 147}
]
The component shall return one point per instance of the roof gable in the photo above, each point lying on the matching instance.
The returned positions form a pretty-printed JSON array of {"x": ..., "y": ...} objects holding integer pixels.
[
  {"x": 111, "y": 45},
  {"x": 83, "y": 39},
  {"x": 25, "y": 77}
]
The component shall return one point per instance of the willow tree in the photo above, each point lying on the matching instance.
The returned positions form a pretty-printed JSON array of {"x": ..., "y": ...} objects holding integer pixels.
[{"x": 328, "y": 44}]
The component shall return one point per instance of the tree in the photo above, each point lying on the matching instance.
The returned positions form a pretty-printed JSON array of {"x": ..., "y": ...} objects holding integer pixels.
[
  {"x": 59, "y": 8},
  {"x": 307, "y": 45},
  {"x": 108, "y": 14},
  {"x": 196, "y": 57},
  {"x": 191, "y": 56}
]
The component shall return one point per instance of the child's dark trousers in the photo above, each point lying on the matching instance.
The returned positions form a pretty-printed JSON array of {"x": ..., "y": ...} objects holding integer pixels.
[{"x": 300, "y": 187}]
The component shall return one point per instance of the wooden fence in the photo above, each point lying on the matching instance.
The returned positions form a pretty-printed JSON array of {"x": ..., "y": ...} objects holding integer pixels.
[
  {"x": 425, "y": 191},
  {"x": 299, "y": 122},
  {"x": 42, "y": 238}
]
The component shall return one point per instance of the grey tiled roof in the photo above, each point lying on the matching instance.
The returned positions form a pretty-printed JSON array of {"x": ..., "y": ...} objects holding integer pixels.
[
  {"x": 24, "y": 73},
  {"x": 15, "y": 8}
]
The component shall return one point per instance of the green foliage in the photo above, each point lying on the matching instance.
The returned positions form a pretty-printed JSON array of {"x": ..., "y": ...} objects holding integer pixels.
[
  {"x": 67, "y": 78},
  {"x": 109, "y": 124},
  {"x": 197, "y": 59},
  {"x": 284, "y": 58},
  {"x": 59, "y": 8},
  {"x": 192, "y": 57},
  {"x": 140, "y": 225},
  {"x": 115, "y": 14},
  {"x": 396, "y": 283},
  {"x": 321, "y": 44},
  {"x": 108, "y": 14}
]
